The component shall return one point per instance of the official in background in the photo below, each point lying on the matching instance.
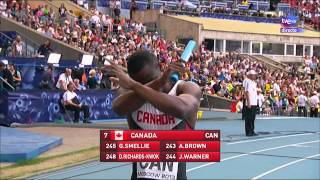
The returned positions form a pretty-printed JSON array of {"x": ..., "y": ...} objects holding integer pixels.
[
  {"x": 72, "y": 103},
  {"x": 314, "y": 104},
  {"x": 302, "y": 101},
  {"x": 64, "y": 79},
  {"x": 251, "y": 103},
  {"x": 244, "y": 108},
  {"x": 260, "y": 99}
]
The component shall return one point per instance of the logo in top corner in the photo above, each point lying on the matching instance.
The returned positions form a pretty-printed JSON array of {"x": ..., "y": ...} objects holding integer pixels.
[
  {"x": 290, "y": 21},
  {"x": 289, "y": 24}
]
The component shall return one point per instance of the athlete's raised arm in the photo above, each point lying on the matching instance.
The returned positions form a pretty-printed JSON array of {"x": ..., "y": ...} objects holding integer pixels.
[
  {"x": 128, "y": 101},
  {"x": 183, "y": 106}
]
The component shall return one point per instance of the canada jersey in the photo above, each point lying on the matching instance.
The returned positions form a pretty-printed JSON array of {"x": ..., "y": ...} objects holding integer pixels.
[{"x": 147, "y": 117}]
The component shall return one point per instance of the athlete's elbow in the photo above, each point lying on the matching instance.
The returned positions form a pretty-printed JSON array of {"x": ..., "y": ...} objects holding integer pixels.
[
  {"x": 118, "y": 109},
  {"x": 181, "y": 113}
]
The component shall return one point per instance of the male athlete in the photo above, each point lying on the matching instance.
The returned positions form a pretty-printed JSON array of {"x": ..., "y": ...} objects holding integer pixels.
[{"x": 154, "y": 102}]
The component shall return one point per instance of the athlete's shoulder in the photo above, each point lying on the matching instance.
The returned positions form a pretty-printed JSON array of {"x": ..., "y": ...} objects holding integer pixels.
[{"x": 189, "y": 87}]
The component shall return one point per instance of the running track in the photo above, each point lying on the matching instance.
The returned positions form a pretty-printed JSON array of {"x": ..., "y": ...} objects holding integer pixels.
[{"x": 287, "y": 148}]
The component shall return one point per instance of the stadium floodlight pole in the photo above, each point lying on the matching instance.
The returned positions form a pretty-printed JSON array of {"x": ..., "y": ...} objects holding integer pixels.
[{"x": 4, "y": 81}]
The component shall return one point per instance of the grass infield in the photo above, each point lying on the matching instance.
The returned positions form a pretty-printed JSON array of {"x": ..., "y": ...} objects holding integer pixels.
[{"x": 23, "y": 169}]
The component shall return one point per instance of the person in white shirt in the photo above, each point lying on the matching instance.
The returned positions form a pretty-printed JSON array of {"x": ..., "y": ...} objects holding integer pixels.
[
  {"x": 276, "y": 87},
  {"x": 314, "y": 104},
  {"x": 244, "y": 84},
  {"x": 3, "y": 6},
  {"x": 80, "y": 2},
  {"x": 251, "y": 103},
  {"x": 260, "y": 99},
  {"x": 72, "y": 103},
  {"x": 302, "y": 100},
  {"x": 64, "y": 79},
  {"x": 95, "y": 19}
]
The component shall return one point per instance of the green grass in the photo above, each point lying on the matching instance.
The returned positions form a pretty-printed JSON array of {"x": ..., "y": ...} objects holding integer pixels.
[{"x": 43, "y": 159}]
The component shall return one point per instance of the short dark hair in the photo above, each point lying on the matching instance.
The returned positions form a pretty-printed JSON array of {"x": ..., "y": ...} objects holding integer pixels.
[
  {"x": 70, "y": 83},
  {"x": 2, "y": 64},
  {"x": 139, "y": 59}
]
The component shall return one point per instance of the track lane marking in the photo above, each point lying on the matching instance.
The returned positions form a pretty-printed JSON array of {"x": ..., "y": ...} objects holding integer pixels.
[
  {"x": 283, "y": 166},
  {"x": 268, "y": 138},
  {"x": 253, "y": 152}
]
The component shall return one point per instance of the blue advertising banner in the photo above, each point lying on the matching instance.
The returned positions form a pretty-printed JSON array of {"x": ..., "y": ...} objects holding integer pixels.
[
  {"x": 103, "y": 3},
  {"x": 32, "y": 69},
  {"x": 43, "y": 106}
]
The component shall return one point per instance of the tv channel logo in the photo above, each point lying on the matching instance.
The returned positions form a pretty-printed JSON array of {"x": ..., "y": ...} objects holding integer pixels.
[
  {"x": 290, "y": 21},
  {"x": 289, "y": 25}
]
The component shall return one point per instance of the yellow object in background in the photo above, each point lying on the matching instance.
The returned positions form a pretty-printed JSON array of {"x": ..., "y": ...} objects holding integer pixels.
[{"x": 199, "y": 114}]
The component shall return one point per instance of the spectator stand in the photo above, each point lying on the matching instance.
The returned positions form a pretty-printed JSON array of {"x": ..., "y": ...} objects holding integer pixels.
[{"x": 7, "y": 38}]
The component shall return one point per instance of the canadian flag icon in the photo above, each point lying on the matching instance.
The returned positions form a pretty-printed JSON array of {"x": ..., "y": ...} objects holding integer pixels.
[{"x": 118, "y": 135}]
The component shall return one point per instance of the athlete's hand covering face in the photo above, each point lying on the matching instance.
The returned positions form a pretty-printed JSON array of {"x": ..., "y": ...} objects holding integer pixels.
[{"x": 124, "y": 80}]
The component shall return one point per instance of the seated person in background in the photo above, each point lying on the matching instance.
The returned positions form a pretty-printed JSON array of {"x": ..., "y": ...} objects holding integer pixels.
[
  {"x": 64, "y": 79},
  {"x": 72, "y": 103},
  {"x": 44, "y": 49},
  {"x": 6, "y": 75},
  {"x": 47, "y": 81},
  {"x": 16, "y": 76},
  {"x": 92, "y": 81},
  {"x": 78, "y": 86}
]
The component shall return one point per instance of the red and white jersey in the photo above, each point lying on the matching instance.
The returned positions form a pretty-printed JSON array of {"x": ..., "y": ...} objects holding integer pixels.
[{"x": 148, "y": 117}]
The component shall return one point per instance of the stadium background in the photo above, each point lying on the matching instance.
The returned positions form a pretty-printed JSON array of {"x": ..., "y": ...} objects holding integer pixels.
[{"x": 231, "y": 35}]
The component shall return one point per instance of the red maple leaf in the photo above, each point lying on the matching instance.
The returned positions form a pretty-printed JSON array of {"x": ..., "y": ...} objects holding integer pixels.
[{"x": 118, "y": 135}]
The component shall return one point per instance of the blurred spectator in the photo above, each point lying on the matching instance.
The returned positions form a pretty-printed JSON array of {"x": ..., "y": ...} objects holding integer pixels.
[
  {"x": 62, "y": 11},
  {"x": 45, "y": 48},
  {"x": 17, "y": 47},
  {"x": 302, "y": 100},
  {"x": 117, "y": 12},
  {"x": 16, "y": 76},
  {"x": 245, "y": 2},
  {"x": 133, "y": 8},
  {"x": 260, "y": 99},
  {"x": 314, "y": 104},
  {"x": 47, "y": 81},
  {"x": 64, "y": 79},
  {"x": 92, "y": 80},
  {"x": 72, "y": 103},
  {"x": 78, "y": 86},
  {"x": 6, "y": 75},
  {"x": 3, "y": 7}
]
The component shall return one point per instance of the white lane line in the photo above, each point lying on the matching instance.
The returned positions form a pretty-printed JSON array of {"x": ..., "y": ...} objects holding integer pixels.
[
  {"x": 67, "y": 171},
  {"x": 253, "y": 152},
  {"x": 268, "y": 138},
  {"x": 283, "y": 166},
  {"x": 277, "y": 117}
]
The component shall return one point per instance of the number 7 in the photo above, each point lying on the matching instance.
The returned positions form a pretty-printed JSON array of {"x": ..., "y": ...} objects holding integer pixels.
[{"x": 105, "y": 134}]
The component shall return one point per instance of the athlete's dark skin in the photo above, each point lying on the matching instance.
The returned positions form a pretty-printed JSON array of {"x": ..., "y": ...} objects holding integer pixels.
[{"x": 149, "y": 85}]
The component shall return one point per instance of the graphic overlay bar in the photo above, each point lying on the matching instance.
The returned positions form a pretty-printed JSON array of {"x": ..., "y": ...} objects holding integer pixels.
[
  {"x": 159, "y": 146},
  {"x": 133, "y": 135},
  {"x": 129, "y": 146},
  {"x": 160, "y": 157}
]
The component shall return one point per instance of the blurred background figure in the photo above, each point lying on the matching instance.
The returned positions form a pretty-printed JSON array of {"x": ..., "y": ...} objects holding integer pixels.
[
  {"x": 47, "y": 81},
  {"x": 314, "y": 104},
  {"x": 17, "y": 47},
  {"x": 92, "y": 80},
  {"x": 78, "y": 86},
  {"x": 64, "y": 79},
  {"x": 16, "y": 76},
  {"x": 45, "y": 49}
]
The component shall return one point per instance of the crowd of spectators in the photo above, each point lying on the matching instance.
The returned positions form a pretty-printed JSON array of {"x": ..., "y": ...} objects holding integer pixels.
[
  {"x": 115, "y": 39},
  {"x": 309, "y": 11}
]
